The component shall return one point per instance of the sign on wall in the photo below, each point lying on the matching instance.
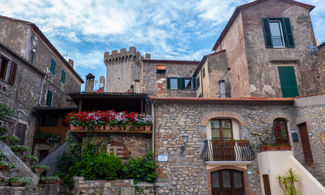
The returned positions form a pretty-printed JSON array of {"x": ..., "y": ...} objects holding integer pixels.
[{"x": 118, "y": 149}]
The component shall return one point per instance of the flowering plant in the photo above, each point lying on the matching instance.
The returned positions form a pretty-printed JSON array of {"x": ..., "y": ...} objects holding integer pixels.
[{"x": 109, "y": 117}]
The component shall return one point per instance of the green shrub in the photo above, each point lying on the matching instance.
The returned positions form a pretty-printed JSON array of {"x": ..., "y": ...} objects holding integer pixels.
[
  {"x": 94, "y": 165},
  {"x": 50, "y": 179},
  {"x": 5, "y": 111},
  {"x": 3, "y": 156},
  {"x": 141, "y": 169}
]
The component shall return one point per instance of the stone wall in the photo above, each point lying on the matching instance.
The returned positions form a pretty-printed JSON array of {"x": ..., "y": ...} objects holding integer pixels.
[
  {"x": 311, "y": 110},
  {"x": 175, "y": 69},
  {"x": 22, "y": 96},
  {"x": 187, "y": 172},
  {"x": 112, "y": 187}
]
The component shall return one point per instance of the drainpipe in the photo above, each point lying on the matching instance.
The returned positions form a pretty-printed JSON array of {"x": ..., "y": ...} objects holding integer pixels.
[
  {"x": 153, "y": 113},
  {"x": 40, "y": 92}
]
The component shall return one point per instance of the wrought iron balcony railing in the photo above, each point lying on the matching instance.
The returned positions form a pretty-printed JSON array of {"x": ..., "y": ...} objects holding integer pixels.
[{"x": 232, "y": 150}]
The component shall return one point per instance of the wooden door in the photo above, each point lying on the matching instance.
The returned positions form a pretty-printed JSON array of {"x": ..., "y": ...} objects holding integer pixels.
[
  {"x": 305, "y": 144},
  {"x": 227, "y": 182},
  {"x": 20, "y": 132},
  {"x": 267, "y": 187}
]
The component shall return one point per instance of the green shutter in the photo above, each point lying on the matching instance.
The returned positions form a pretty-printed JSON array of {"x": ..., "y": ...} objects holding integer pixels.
[
  {"x": 287, "y": 32},
  {"x": 63, "y": 76},
  {"x": 194, "y": 83},
  {"x": 267, "y": 33},
  {"x": 53, "y": 64},
  {"x": 288, "y": 81},
  {"x": 168, "y": 83},
  {"x": 49, "y": 98},
  {"x": 180, "y": 83},
  {"x": 198, "y": 82}
]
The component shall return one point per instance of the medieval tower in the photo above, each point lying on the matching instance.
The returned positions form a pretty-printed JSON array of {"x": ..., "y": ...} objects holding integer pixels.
[{"x": 123, "y": 69}]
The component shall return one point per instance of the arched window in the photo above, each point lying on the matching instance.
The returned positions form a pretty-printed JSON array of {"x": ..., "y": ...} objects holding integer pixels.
[
  {"x": 281, "y": 131},
  {"x": 221, "y": 129}
]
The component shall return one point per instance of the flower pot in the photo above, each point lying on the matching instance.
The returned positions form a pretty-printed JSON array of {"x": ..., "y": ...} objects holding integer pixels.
[
  {"x": 147, "y": 128},
  {"x": 51, "y": 182},
  {"x": 242, "y": 142},
  {"x": 38, "y": 170},
  {"x": 269, "y": 148},
  {"x": 115, "y": 128},
  {"x": 13, "y": 183},
  {"x": 74, "y": 128},
  {"x": 284, "y": 148},
  {"x": 142, "y": 128},
  {"x": 128, "y": 128},
  {"x": 3, "y": 167},
  {"x": 99, "y": 129}
]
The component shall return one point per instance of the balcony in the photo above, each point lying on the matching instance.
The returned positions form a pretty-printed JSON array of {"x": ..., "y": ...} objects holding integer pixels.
[{"x": 232, "y": 150}]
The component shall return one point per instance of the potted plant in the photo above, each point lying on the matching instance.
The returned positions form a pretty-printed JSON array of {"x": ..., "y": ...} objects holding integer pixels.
[
  {"x": 19, "y": 148},
  {"x": 287, "y": 182},
  {"x": 50, "y": 179},
  {"x": 10, "y": 139},
  {"x": 268, "y": 147},
  {"x": 7, "y": 165},
  {"x": 20, "y": 181},
  {"x": 39, "y": 168},
  {"x": 28, "y": 157},
  {"x": 3, "y": 181},
  {"x": 242, "y": 142},
  {"x": 3, "y": 130},
  {"x": 284, "y": 147},
  {"x": 3, "y": 156},
  {"x": 47, "y": 138}
]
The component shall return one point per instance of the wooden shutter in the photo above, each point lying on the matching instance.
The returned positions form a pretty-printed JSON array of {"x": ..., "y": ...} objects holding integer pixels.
[
  {"x": 20, "y": 132},
  {"x": 288, "y": 81},
  {"x": 63, "y": 76},
  {"x": 13, "y": 72},
  {"x": 49, "y": 98},
  {"x": 194, "y": 83},
  {"x": 267, "y": 33},
  {"x": 287, "y": 32},
  {"x": 180, "y": 83},
  {"x": 168, "y": 83},
  {"x": 53, "y": 64},
  {"x": 198, "y": 82}
]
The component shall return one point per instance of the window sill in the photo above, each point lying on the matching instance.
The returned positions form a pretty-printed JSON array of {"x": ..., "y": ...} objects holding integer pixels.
[{"x": 239, "y": 163}]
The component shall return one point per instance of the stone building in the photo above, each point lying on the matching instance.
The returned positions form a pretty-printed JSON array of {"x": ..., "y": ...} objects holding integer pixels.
[
  {"x": 43, "y": 77},
  {"x": 209, "y": 116}
]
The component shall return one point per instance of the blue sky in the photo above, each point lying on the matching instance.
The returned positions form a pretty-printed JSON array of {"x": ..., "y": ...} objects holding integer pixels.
[{"x": 172, "y": 29}]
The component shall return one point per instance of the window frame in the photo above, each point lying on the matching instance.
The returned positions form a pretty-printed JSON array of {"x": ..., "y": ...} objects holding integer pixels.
[
  {"x": 278, "y": 21},
  {"x": 221, "y": 136},
  {"x": 10, "y": 71},
  {"x": 277, "y": 122}
]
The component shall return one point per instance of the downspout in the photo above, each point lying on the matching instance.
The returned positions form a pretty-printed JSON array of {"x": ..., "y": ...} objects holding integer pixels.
[
  {"x": 40, "y": 92},
  {"x": 154, "y": 138}
]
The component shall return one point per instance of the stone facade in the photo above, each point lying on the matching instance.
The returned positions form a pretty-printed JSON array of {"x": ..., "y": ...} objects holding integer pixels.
[
  {"x": 23, "y": 43},
  {"x": 112, "y": 187},
  {"x": 122, "y": 69},
  {"x": 154, "y": 83},
  {"x": 22, "y": 95},
  {"x": 187, "y": 173}
]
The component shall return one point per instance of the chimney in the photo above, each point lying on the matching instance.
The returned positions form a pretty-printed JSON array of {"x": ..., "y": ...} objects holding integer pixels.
[
  {"x": 70, "y": 62},
  {"x": 89, "y": 83},
  {"x": 147, "y": 56}
]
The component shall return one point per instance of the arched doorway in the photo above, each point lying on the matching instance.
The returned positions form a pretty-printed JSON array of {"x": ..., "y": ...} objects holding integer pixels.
[{"x": 227, "y": 182}]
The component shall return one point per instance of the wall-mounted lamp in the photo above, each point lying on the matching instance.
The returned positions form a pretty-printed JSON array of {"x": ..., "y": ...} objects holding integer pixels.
[{"x": 185, "y": 140}]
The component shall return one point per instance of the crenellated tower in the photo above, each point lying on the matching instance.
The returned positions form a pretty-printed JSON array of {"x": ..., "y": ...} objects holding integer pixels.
[{"x": 123, "y": 69}]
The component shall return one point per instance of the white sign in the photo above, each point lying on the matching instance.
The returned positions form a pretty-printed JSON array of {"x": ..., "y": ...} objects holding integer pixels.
[{"x": 162, "y": 158}]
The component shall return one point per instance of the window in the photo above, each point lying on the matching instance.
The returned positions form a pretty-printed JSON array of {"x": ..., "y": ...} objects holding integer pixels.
[
  {"x": 227, "y": 181},
  {"x": 8, "y": 70},
  {"x": 203, "y": 72},
  {"x": 63, "y": 76},
  {"x": 280, "y": 127},
  {"x": 221, "y": 129},
  {"x": 288, "y": 81},
  {"x": 197, "y": 82},
  {"x": 53, "y": 64},
  {"x": 181, "y": 83},
  {"x": 49, "y": 98},
  {"x": 277, "y": 32},
  {"x": 222, "y": 88}
]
